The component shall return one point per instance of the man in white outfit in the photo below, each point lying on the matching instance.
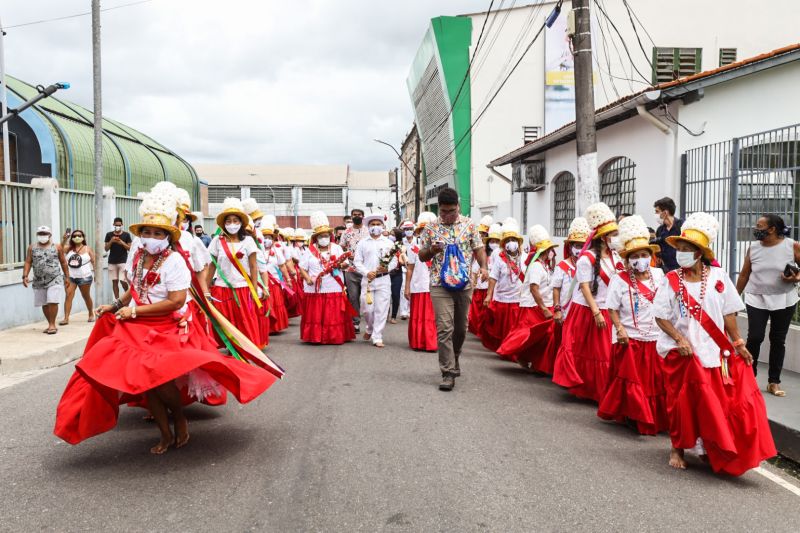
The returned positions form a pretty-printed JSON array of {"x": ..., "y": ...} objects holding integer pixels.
[{"x": 375, "y": 285}]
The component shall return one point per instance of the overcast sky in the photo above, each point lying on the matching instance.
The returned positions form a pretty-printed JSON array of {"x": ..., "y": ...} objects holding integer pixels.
[{"x": 261, "y": 81}]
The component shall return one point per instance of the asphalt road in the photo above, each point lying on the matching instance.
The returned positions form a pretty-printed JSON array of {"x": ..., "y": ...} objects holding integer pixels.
[{"x": 360, "y": 439}]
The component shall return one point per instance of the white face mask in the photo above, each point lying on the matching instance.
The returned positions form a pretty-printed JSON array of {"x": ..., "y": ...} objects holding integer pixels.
[
  {"x": 392, "y": 238},
  {"x": 409, "y": 233},
  {"x": 348, "y": 225},
  {"x": 375, "y": 230},
  {"x": 324, "y": 241},
  {"x": 184, "y": 226},
  {"x": 267, "y": 242},
  {"x": 576, "y": 250},
  {"x": 154, "y": 246},
  {"x": 233, "y": 228},
  {"x": 685, "y": 259},
  {"x": 641, "y": 264},
  {"x": 494, "y": 246},
  {"x": 257, "y": 224},
  {"x": 512, "y": 246},
  {"x": 118, "y": 228},
  {"x": 43, "y": 239},
  {"x": 614, "y": 243}
]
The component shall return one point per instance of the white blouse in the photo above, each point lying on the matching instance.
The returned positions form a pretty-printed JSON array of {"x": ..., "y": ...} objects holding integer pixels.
[
  {"x": 199, "y": 257},
  {"x": 476, "y": 270},
  {"x": 584, "y": 273},
  {"x": 620, "y": 298},
  {"x": 508, "y": 286},
  {"x": 247, "y": 247},
  {"x": 537, "y": 274},
  {"x": 716, "y": 305},
  {"x": 563, "y": 280},
  {"x": 313, "y": 266},
  {"x": 270, "y": 260},
  {"x": 421, "y": 277},
  {"x": 173, "y": 274}
]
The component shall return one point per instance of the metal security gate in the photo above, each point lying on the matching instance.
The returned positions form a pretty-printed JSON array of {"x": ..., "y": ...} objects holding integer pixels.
[{"x": 764, "y": 167}]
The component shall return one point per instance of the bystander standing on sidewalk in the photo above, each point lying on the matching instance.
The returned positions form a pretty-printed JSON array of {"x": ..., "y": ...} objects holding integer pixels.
[
  {"x": 451, "y": 303},
  {"x": 201, "y": 234},
  {"x": 80, "y": 261},
  {"x": 769, "y": 293},
  {"x": 118, "y": 243},
  {"x": 50, "y": 275},
  {"x": 668, "y": 226}
]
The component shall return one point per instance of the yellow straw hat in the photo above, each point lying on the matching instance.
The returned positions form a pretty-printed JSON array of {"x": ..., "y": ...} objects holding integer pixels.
[
  {"x": 579, "y": 231},
  {"x": 601, "y": 220},
  {"x": 634, "y": 236},
  {"x": 319, "y": 224},
  {"x": 495, "y": 232},
  {"x": 424, "y": 218},
  {"x": 511, "y": 231},
  {"x": 699, "y": 229},
  {"x": 485, "y": 224},
  {"x": 250, "y": 206},
  {"x": 231, "y": 206},
  {"x": 540, "y": 238},
  {"x": 158, "y": 211}
]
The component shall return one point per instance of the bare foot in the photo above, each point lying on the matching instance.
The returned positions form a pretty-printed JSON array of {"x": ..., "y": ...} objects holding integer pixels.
[
  {"x": 367, "y": 336},
  {"x": 163, "y": 445},
  {"x": 378, "y": 344},
  {"x": 182, "y": 432},
  {"x": 676, "y": 459}
]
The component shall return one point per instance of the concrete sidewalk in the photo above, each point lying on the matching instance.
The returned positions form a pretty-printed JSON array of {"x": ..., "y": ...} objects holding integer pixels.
[
  {"x": 783, "y": 413},
  {"x": 27, "y": 348}
]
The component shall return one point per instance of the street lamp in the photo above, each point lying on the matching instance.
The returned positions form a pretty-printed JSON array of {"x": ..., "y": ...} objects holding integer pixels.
[{"x": 397, "y": 181}]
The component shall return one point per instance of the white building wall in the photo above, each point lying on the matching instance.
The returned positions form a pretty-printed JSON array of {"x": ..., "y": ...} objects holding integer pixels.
[{"x": 381, "y": 199}]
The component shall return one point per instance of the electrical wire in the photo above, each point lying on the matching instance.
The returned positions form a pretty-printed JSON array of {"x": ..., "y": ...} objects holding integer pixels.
[
  {"x": 76, "y": 15},
  {"x": 603, "y": 43},
  {"x": 620, "y": 60},
  {"x": 636, "y": 33},
  {"x": 598, "y": 3},
  {"x": 630, "y": 10}
]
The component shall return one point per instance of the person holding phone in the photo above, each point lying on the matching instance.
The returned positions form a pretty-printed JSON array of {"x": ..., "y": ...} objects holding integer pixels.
[
  {"x": 117, "y": 244},
  {"x": 768, "y": 279}
]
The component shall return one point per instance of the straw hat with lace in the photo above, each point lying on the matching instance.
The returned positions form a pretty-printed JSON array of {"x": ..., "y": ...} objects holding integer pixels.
[
  {"x": 699, "y": 229},
  {"x": 158, "y": 210},
  {"x": 485, "y": 224},
  {"x": 495, "y": 232},
  {"x": 579, "y": 231},
  {"x": 424, "y": 218},
  {"x": 250, "y": 206},
  {"x": 540, "y": 239},
  {"x": 319, "y": 224},
  {"x": 601, "y": 220},
  {"x": 634, "y": 236},
  {"x": 511, "y": 231},
  {"x": 231, "y": 206}
]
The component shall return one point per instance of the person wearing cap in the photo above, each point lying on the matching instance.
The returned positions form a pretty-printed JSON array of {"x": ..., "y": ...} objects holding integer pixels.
[
  {"x": 422, "y": 322},
  {"x": 505, "y": 286},
  {"x": 477, "y": 312},
  {"x": 117, "y": 244},
  {"x": 583, "y": 361},
  {"x": 354, "y": 234},
  {"x": 50, "y": 275},
  {"x": 235, "y": 292},
  {"x": 713, "y": 401},
  {"x": 374, "y": 259},
  {"x": 636, "y": 390},
  {"x": 327, "y": 314},
  {"x": 528, "y": 343}
]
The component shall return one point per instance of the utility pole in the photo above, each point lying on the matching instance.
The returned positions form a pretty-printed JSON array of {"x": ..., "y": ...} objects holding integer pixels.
[
  {"x": 417, "y": 177},
  {"x": 98, "y": 156},
  {"x": 397, "y": 197},
  {"x": 4, "y": 108},
  {"x": 588, "y": 183}
]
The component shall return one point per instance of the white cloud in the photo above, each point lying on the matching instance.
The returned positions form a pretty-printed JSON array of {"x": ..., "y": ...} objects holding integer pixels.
[{"x": 300, "y": 81}]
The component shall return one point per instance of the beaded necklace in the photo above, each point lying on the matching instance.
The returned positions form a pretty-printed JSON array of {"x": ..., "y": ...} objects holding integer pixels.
[
  {"x": 698, "y": 307},
  {"x": 143, "y": 283},
  {"x": 633, "y": 296}
]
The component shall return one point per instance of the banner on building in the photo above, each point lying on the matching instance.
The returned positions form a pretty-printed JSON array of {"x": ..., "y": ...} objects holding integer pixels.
[{"x": 559, "y": 65}]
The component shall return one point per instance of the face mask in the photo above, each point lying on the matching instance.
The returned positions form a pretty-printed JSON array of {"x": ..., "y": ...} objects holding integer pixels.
[
  {"x": 685, "y": 259},
  {"x": 409, "y": 233},
  {"x": 348, "y": 225},
  {"x": 375, "y": 230},
  {"x": 641, "y": 264},
  {"x": 357, "y": 220},
  {"x": 118, "y": 228},
  {"x": 614, "y": 243},
  {"x": 184, "y": 226},
  {"x": 233, "y": 228},
  {"x": 512, "y": 246},
  {"x": 198, "y": 233},
  {"x": 77, "y": 240},
  {"x": 494, "y": 246},
  {"x": 392, "y": 238},
  {"x": 550, "y": 254},
  {"x": 43, "y": 239},
  {"x": 257, "y": 224},
  {"x": 267, "y": 243},
  {"x": 760, "y": 234},
  {"x": 576, "y": 250},
  {"x": 324, "y": 241},
  {"x": 154, "y": 246}
]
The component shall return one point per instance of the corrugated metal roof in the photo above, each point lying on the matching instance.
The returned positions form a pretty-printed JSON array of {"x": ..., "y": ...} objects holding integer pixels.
[{"x": 243, "y": 174}]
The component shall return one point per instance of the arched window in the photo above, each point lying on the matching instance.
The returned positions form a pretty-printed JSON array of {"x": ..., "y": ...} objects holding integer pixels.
[
  {"x": 563, "y": 203},
  {"x": 618, "y": 185}
]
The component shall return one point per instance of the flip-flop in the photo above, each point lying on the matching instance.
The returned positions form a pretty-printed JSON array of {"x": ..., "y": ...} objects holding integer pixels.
[
  {"x": 51, "y": 331},
  {"x": 64, "y": 323}
]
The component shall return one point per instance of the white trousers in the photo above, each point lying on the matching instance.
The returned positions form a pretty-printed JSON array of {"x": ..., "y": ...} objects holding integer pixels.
[
  {"x": 376, "y": 314},
  {"x": 405, "y": 305}
]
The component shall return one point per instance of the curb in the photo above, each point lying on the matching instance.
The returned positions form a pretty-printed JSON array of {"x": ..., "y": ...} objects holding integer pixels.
[
  {"x": 787, "y": 440},
  {"x": 46, "y": 359}
]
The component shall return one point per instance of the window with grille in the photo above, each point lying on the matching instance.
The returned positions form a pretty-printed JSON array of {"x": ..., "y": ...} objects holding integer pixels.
[
  {"x": 271, "y": 195},
  {"x": 673, "y": 63},
  {"x": 727, "y": 56},
  {"x": 218, "y": 193},
  {"x": 618, "y": 185},
  {"x": 563, "y": 203},
  {"x": 322, "y": 196}
]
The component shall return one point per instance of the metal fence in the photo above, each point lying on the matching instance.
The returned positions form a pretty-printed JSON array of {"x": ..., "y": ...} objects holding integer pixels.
[
  {"x": 127, "y": 208},
  {"x": 76, "y": 211},
  {"x": 18, "y": 222}
]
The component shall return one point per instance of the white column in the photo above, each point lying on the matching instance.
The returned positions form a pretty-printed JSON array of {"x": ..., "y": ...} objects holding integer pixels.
[{"x": 48, "y": 208}]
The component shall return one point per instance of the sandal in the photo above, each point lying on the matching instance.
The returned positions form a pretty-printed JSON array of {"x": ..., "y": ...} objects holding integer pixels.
[
  {"x": 64, "y": 322},
  {"x": 50, "y": 331},
  {"x": 775, "y": 390}
]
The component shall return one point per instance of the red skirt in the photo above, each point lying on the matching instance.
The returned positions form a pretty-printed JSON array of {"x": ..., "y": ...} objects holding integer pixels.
[
  {"x": 326, "y": 319},
  {"x": 499, "y": 320},
  {"x": 636, "y": 390},
  {"x": 477, "y": 312},
  {"x": 245, "y": 318},
  {"x": 731, "y": 419},
  {"x": 299, "y": 295},
  {"x": 422, "y": 323},
  {"x": 519, "y": 339},
  {"x": 278, "y": 315},
  {"x": 123, "y": 360},
  {"x": 584, "y": 358}
]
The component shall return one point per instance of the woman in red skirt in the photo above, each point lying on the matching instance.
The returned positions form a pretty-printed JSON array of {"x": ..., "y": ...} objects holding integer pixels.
[
  {"x": 275, "y": 270},
  {"x": 145, "y": 344},
  {"x": 505, "y": 284},
  {"x": 235, "y": 292},
  {"x": 477, "y": 311},
  {"x": 422, "y": 321},
  {"x": 713, "y": 400},
  {"x": 327, "y": 314},
  {"x": 299, "y": 249},
  {"x": 529, "y": 343},
  {"x": 285, "y": 247},
  {"x": 636, "y": 390},
  {"x": 583, "y": 361}
]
